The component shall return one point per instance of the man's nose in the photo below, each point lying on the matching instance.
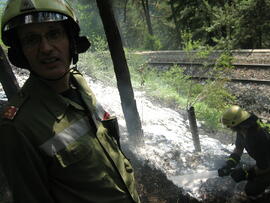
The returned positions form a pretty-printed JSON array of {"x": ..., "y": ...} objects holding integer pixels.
[{"x": 45, "y": 45}]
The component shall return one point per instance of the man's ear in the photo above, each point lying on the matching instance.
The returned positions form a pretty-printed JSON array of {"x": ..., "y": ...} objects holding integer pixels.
[
  {"x": 82, "y": 44},
  {"x": 78, "y": 45}
]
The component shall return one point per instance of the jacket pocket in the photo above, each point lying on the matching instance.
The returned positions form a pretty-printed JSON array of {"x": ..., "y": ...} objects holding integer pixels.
[{"x": 73, "y": 153}]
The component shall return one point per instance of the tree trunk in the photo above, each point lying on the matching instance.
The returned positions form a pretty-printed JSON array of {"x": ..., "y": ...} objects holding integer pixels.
[
  {"x": 145, "y": 5},
  {"x": 125, "y": 11},
  {"x": 194, "y": 129},
  {"x": 178, "y": 37},
  {"x": 7, "y": 77},
  {"x": 121, "y": 70},
  {"x": 117, "y": 18}
]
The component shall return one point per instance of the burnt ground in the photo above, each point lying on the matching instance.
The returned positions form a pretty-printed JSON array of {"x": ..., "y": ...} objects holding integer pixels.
[{"x": 154, "y": 187}]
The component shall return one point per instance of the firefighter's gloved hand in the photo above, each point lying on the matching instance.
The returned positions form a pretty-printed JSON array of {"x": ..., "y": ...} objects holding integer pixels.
[
  {"x": 239, "y": 174},
  {"x": 224, "y": 171},
  {"x": 232, "y": 161},
  {"x": 243, "y": 174}
]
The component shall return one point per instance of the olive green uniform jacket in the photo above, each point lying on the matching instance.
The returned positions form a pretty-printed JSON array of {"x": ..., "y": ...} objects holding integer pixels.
[{"x": 54, "y": 150}]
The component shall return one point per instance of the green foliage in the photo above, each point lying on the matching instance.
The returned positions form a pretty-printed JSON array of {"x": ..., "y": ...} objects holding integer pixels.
[
  {"x": 89, "y": 18},
  {"x": 98, "y": 43},
  {"x": 264, "y": 125},
  {"x": 211, "y": 94},
  {"x": 223, "y": 19},
  {"x": 133, "y": 26},
  {"x": 254, "y": 24},
  {"x": 98, "y": 65},
  {"x": 226, "y": 24},
  {"x": 152, "y": 42},
  {"x": 98, "y": 62},
  {"x": 210, "y": 116}
]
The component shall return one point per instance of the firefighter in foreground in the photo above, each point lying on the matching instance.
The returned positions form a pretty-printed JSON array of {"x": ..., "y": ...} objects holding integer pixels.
[
  {"x": 55, "y": 143},
  {"x": 254, "y": 137}
]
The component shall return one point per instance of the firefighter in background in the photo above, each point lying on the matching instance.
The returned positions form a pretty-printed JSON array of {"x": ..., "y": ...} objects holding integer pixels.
[
  {"x": 253, "y": 136},
  {"x": 57, "y": 144}
]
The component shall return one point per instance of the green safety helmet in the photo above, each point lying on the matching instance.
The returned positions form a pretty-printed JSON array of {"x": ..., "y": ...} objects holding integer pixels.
[
  {"x": 20, "y": 12},
  {"x": 234, "y": 116}
]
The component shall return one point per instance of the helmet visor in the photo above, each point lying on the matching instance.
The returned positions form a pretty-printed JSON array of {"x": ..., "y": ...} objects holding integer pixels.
[{"x": 37, "y": 17}]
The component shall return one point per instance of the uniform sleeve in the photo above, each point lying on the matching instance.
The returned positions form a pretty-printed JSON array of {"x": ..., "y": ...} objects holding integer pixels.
[
  {"x": 23, "y": 167},
  {"x": 239, "y": 142},
  {"x": 261, "y": 153}
]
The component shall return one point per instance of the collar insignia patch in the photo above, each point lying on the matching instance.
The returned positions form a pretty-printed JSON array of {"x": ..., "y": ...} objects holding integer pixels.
[{"x": 10, "y": 112}]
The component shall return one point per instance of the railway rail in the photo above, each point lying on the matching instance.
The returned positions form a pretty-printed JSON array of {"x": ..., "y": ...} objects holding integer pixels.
[
  {"x": 237, "y": 65},
  {"x": 257, "y": 67}
]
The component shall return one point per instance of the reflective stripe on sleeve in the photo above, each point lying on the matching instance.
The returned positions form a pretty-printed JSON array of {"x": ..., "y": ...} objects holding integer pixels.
[{"x": 62, "y": 139}]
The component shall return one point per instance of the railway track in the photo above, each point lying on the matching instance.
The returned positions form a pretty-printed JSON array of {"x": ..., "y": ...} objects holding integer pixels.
[
  {"x": 249, "y": 79},
  {"x": 257, "y": 67}
]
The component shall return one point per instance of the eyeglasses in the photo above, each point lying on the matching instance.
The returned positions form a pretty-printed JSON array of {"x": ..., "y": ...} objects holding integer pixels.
[{"x": 53, "y": 36}]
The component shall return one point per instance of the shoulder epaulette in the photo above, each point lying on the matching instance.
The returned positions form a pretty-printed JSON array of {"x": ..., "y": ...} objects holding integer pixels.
[
  {"x": 13, "y": 106},
  {"x": 10, "y": 112}
]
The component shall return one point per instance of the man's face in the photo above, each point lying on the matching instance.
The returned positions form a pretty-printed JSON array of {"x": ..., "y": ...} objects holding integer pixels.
[{"x": 46, "y": 48}]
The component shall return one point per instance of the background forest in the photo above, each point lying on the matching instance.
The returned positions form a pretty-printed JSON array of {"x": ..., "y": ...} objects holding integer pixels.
[{"x": 162, "y": 24}]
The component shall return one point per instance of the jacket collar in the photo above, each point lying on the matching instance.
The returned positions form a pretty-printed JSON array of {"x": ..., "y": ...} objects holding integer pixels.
[
  {"x": 86, "y": 93},
  {"x": 55, "y": 103},
  {"x": 37, "y": 89}
]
